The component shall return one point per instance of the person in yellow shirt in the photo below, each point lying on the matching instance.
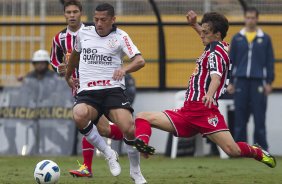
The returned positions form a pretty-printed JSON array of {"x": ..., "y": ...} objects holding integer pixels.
[{"x": 252, "y": 75}]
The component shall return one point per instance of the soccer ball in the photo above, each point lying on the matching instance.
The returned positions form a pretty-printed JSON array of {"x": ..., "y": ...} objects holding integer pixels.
[{"x": 46, "y": 172}]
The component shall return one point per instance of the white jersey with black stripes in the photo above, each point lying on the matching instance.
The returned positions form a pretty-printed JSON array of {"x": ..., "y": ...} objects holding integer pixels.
[{"x": 101, "y": 56}]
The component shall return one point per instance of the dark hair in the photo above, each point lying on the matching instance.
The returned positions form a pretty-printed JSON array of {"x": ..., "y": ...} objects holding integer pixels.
[
  {"x": 106, "y": 7},
  {"x": 251, "y": 9},
  {"x": 72, "y": 2},
  {"x": 217, "y": 22}
]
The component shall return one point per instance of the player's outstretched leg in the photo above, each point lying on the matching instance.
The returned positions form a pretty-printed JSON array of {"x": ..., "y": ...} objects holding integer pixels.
[
  {"x": 267, "y": 158},
  {"x": 142, "y": 133},
  {"x": 257, "y": 153},
  {"x": 241, "y": 149},
  {"x": 85, "y": 170}
]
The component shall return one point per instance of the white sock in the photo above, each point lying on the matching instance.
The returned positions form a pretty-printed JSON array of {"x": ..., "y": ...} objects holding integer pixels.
[
  {"x": 134, "y": 158},
  {"x": 96, "y": 140}
]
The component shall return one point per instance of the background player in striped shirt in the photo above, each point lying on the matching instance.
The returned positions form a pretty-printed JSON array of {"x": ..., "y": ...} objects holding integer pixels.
[
  {"x": 200, "y": 113},
  {"x": 62, "y": 46}
]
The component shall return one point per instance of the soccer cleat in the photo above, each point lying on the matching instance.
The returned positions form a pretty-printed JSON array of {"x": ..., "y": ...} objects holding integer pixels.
[
  {"x": 114, "y": 164},
  {"x": 142, "y": 147},
  {"x": 137, "y": 177},
  {"x": 267, "y": 158},
  {"x": 83, "y": 171}
]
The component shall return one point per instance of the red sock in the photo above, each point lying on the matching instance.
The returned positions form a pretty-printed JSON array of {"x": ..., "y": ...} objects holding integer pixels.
[
  {"x": 87, "y": 152},
  {"x": 143, "y": 130},
  {"x": 249, "y": 151},
  {"x": 115, "y": 134}
]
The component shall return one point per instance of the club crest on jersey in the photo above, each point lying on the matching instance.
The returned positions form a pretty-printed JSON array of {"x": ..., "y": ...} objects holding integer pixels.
[
  {"x": 213, "y": 121},
  {"x": 112, "y": 43}
]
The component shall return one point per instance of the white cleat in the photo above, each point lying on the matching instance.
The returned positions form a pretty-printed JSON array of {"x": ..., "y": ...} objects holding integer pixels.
[
  {"x": 137, "y": 177},
  {"x": 114, "y": 164}
]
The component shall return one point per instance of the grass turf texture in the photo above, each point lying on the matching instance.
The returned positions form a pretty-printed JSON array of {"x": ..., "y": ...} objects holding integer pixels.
[{"x": 156, "y": 169}]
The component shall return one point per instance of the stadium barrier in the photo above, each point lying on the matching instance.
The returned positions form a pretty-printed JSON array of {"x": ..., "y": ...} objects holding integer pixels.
[{"x": 36, "y": 118}]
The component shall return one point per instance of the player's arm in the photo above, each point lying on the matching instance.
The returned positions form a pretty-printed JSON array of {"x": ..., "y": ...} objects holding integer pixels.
[
  {"x": 232, "y": 54},
  {"x": 214, "y": 84},
  {"x": 57, "y": 57},
  {"x": 216, "y": 64},
  {"x": 137, "y": 61},
  {"x": 73, "y": 63},
  {"x": 191, "y": 17},
  {"x": 269, "y": 68}
]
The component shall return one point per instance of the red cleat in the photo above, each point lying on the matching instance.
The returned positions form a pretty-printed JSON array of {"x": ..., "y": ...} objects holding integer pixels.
[{"x": 83, "y": 171}]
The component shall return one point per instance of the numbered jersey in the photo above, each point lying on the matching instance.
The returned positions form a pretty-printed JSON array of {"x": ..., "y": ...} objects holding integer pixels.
[
  {"x": 214, "y": 60},
  {"x": 101, "y": 56}
]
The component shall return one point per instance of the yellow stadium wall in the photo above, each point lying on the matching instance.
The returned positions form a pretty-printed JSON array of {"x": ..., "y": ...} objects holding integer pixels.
[{"x": 182, "y": 46}]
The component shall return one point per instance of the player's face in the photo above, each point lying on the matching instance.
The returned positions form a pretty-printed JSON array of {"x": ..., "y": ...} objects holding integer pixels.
[
  {"x": 251, "y": 20},
  {"x": 207, "y": 35},
  {"x": 103, "y": 22},
  {"x": 73, "y": 16}
]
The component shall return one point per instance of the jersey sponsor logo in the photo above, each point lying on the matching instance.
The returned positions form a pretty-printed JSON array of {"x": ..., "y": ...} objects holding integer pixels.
[
  {"x": 91, "y": 56},
  {"x": 213, "y": 121},
  {"x": 211, "y": 60},
  {"x": 128, "y": 45},
  {"x": 99, "y": 83}
]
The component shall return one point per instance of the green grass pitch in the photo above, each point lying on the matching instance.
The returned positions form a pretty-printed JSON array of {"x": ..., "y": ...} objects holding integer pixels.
[{"x": 157, "y": 170}]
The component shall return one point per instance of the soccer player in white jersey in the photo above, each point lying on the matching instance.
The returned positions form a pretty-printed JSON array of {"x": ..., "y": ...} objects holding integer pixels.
[
  {"x": 62, "y": 46},
  {"x": 98, "y": 52}
]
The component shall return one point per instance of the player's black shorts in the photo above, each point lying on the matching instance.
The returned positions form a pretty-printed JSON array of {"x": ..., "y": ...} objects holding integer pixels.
[{"x": 104, "y": 99}]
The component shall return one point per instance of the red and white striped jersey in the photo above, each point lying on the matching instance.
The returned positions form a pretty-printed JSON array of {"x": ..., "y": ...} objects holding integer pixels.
[
  {"x": 62, "y": 46},
  {"x": 214, "y": 60}
]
